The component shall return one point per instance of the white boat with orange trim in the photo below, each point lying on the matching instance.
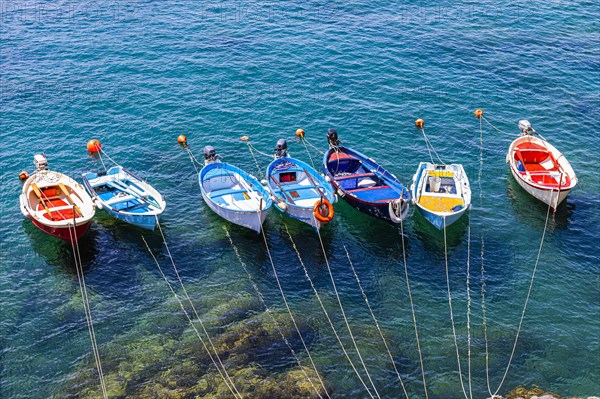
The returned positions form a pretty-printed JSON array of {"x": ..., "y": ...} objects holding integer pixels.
[
  {"x": 539, "y": 167},
  {"x": 55, "y": 203},
  {"x": 441, "y": 192}
]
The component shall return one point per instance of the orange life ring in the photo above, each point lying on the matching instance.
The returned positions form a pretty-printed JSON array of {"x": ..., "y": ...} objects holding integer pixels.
[{"x": 323, "y": 211}]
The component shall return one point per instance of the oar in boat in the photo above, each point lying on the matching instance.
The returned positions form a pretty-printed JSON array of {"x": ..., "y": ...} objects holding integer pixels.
[
  {"x": 38, "y": 193},
  {"x": 282, "y": 191},
  {"x": 314, "y": 183},
  {"x": 130, "y": 191},
  {"x": 64, "y": 190}
]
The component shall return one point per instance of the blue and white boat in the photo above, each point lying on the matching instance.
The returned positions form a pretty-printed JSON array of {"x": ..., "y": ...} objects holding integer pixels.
[
  {"x": 233, "y": 194},
  {"x": 363, "y": 183},
  {"x": 125, "y": 196},
  {"x": 299, "y": 190},
  {"x": 441, "y": 193}
]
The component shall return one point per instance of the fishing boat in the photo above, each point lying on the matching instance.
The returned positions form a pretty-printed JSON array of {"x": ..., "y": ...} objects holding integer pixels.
[
  {"x": 363, "y": 183},
  {"x": 55, "y": 203},
  {"x": 299, "y": 190},
  {"x": 441, "y": 193},
  {"x": 233, "y": 194},
  {"x": 125, "y": 196},
  {"x": 539, "y": 167}
]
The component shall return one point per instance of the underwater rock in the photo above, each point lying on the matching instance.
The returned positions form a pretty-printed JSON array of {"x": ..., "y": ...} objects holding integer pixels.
[
  {"x": 162, "y": 366},
  {"x": 535, "y": 393}
]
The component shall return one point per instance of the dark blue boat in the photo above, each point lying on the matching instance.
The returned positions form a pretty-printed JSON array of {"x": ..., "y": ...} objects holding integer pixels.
[{"x": 363, "y": 184}]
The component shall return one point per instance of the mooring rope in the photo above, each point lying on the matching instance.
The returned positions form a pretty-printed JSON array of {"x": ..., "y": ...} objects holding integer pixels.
[
  {"x": 277, "y": 325},
  {"x": 314, "y": 147},
  {"x": 462, "y": 385},
  {"x": 344, "y": 316},
  {"x": 192, "y": 304},
  {"x": 484, "y": 321},
  {"x": 225, "y": 378},
  {"x": 192, "y": 158},
  {"x": 469, "y": 310},
  {"x": 495, "y": 128},
  {"x": 430, "y": 148},
  {"x": 307, "y": 151},
  {"x": 337, "y": 336},
  {"x": 526, "y": 301},
  {"x": 86, "y": 306},
  {"x": 412, "y": 308},
  {"x": 287, "y": 306},
  {"x": 387, "y": 348}
]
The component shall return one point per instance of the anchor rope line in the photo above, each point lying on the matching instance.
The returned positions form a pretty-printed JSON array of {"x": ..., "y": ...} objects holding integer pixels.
[
  {"x": 107, "y": 156},
  {"x": 495, "y": 128},
  {"x": 308, "y": 152},
  {"x": 431, "y": 148},
  {"x": 226, "y": 379},
  {"x": 462, "y": 385},
  {"x": 344, "y": 316},
  {"x": 314, "y": 147},
  {"x": 412, "y": 308},
  {"x": 484, "y": 321},
  {"x": 483, "y": 308},
  {"x": 469, "y": 311},
  {"x": 526, "y": 302},
  {"x": 277, "y": 325},
  {"x": 192, "y": 305},
  {"x": 101, "y": 160},
  {"x": 86, "y": 306},
  {"x": 387, "y": 348},
  {"x": 193, "y": 159},
  {"x": 337, "y": 336},
  {"x": 260, "y": 172}
]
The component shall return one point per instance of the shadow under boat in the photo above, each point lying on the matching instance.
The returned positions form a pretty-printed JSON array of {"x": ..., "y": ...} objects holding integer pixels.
[{"x": 529, "y": 208}]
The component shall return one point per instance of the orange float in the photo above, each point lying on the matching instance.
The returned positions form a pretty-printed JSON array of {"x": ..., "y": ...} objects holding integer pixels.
[
  {"x": 419, "y": 123},
  {"x": 94, "y": 146},
  {"x": 300, "y": 133},
  {"x": 479, "y": 113},
  {"x": 182, "y": 139},
  {"x": 323, "y": 211}
]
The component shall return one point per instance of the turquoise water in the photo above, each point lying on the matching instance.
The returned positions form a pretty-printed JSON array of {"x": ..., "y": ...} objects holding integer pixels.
[{"x": 135, "y": 75}]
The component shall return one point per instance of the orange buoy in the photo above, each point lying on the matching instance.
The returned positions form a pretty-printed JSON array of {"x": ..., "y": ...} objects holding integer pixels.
[
  {"x": 182, "y": 139},
  {"x": 23, "y": 175},
  {"x": 323, "y": 211},
  {"x": 419, "y": 123},
  {"x": 300, "y": 133},
  {"x": 479, "y": 113},
  {"x": 245, "y": 138},
  {"x": 94, "y": 146}
]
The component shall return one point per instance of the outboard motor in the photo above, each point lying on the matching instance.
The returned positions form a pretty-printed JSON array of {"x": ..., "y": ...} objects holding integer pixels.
[
  {"x": 210, "y": 154},
  {"x": 40, "y": 161},
  {"x": 525, "y": 126},
  {"x": 332, "y": 138},
  {"x": 281, "y": 148}
]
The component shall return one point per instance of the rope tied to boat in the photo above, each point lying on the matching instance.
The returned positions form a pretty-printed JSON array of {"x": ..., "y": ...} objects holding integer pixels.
[
  {"x": 387, "y": 348},
  {"x": 344, "y": 316},
  {"x": 226, "y": 380},
  {"x": 194, "y": 307},
  {"x": 277, "y": 325},
  {"x": 526, "y": 302},
  {"x": 86, "y": 305},
  {"x": 430, "y": 147},
  {"x": 412, "y": 308},
  {"x": 335, "y": 332}
]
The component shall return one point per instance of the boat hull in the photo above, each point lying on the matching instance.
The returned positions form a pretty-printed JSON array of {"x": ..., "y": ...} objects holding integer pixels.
[
  {"x": 62, "y": 232},
  {"x": 250, "y": 220},
  {"x": 381, "y": 209},
  {"x": 438, "y": 221},
  {"x": 551, "y": 193},
  {"x": 552, "y": 198},
  {"x": 143, "y": 221}
]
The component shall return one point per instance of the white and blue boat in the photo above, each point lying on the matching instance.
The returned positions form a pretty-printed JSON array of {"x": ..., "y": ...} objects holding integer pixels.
[
  {"x": 299, "y": 190},
  {"x": 232, "y": 193},
  {"x": 441, "y": 193},
  {"x": 125, "y": 196}
]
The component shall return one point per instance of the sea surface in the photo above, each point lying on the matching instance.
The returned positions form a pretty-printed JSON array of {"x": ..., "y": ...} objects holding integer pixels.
[{"x": 137, "y": 74}]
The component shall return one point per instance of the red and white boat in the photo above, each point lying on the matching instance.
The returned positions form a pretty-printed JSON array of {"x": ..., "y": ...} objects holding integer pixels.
[
  {"x": 539, "y": 167},
  {"x": 55, "y": 203}
]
